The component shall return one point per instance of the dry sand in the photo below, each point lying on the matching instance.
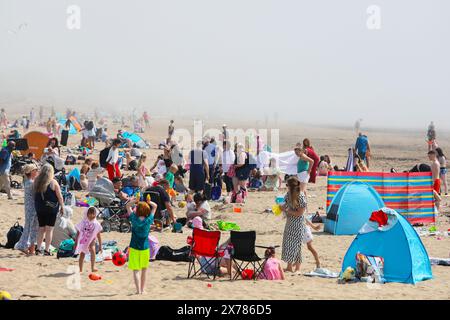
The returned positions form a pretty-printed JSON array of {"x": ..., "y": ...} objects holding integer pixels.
[{"x": 47, "y": 277}]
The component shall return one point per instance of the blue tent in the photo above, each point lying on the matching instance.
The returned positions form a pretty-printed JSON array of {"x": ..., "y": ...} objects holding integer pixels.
[
  {"x": 351, "y": 207},
  {"x": 72, "y": 130},
  {"x": 136, "y": 139},
  {"x": 405, "y": 257}
]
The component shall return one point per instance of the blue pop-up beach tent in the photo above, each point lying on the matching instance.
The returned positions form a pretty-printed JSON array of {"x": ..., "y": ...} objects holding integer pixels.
[
  {"x": 136, "y": 139},
  {"x": 72, "y": 130},
  {"x": 351, "y": 207},
  {"x": 405, "y": 258}
]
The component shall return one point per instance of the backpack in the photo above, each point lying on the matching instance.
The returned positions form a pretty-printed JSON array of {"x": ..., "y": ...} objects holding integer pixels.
[
  {"x": 66, "y": 249},
  {"x": 177, "y": 255},
  {"x": 103, "y": 156},
  {"x": 90, "y": 125},
  {"x": 70, "y": 160},
  {"x": 216, "y": 192},
  {"x": 13, "y": 235},
  {"x": 74, "y": 184}
]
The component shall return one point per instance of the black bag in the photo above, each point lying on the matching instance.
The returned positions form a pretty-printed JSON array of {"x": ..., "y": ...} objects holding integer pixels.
[
  {"x": 133, "y": 165},
  {"x": 177, "y": 255},
  {"x": 65, "y": 253},
  {"x": 207, "y": 191},
  {"x": 70, "y": 160},
  {"x": 13, "y": 235},
  {"x": 90, "y": 125},
  {"x": 64, "y": 137},
  {"x": 103, "y": 156},
  {"x": 74, "y": 184}
]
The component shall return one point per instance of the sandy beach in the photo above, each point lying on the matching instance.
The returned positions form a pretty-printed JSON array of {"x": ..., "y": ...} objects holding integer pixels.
[{"x": 39, "y": 277}]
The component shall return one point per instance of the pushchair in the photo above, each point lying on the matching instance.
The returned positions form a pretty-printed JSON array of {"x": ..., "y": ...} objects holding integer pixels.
[
  {"x": 17, "y": 164},
  {"x": 112, "y": 211}
]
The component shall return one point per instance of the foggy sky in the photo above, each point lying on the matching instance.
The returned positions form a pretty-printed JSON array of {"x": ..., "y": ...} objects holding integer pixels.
[{"x": 309, "y": 61}]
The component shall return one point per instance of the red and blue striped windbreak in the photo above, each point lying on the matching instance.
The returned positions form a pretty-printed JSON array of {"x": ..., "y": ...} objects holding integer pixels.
[{"x": 410, "y": 194}]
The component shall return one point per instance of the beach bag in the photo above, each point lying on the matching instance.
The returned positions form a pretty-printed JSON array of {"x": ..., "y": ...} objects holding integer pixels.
[
  {"x": 216, "y": 192},
  {"x": 69, "y": 199},
  {"x": 103, "y": 156},
  {"x": 13, "y": 235},
  {"x": 74, "y": 184},
  {"x": 316, "y": 218},
  {"x": 371, "y": 267},
  {"x": 153, "y": 244},
  {"x": 66, "y": 249},
  {"x": 176, "y": 255},
  {"x": 231, "y": 171},
  {"x": 207, "y": 191}
]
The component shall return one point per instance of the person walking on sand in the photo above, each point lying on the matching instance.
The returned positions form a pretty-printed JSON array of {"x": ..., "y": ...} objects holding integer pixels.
[
  {"x": 294, "y": 230},
  {"x": 3, "y": 119},
  {"x": 362, "y": 148},
  {"x": 113, "y": 161},
  {"x": 5, "y": 167},
  {"x": 309, "y": 150},
  {"x": 88, "y": 230},
  {"x": 443, "y": 170},
  {"x": 170, "y": 132}
]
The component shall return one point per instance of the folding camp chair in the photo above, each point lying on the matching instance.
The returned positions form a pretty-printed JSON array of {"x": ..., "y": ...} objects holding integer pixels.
[
  {"x": 244, "y": 253},
  {"x": 205, "y": 252}
]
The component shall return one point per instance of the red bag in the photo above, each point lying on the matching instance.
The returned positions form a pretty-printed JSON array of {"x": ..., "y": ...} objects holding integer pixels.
[{"x": 231, "y": 171}]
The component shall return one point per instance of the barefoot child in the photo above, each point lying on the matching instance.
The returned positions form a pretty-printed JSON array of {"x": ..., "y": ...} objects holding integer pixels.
[
  {"x": 139, "y": 253},
  {"x": 308, "y": 238},
  {"x": 87, "y": 230},
  {"x": 272, "y": 267}
]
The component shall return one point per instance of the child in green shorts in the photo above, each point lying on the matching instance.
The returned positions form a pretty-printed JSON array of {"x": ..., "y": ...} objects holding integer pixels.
[{"x": 141, "y": 218}]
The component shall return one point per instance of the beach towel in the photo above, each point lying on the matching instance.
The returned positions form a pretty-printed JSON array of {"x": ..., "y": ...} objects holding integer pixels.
[
  {"x": 227, "y": 226},
  {"x": 322, "y": 273},
  {"x": 286, "y": 161}
]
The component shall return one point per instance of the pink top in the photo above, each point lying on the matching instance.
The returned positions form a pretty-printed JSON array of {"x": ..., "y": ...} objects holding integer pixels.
[
  {"x": 88, "y": 232},
  {"x": 271, "y": 270}
]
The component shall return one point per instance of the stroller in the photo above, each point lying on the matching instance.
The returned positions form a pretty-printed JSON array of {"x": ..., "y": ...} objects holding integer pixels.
[
  {"x": 112, "y": 211},
  {"x": 17, "y": 165}
]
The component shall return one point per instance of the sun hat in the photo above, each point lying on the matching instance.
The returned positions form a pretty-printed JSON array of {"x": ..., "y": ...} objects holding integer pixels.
[{"x": 28, "y": 168}]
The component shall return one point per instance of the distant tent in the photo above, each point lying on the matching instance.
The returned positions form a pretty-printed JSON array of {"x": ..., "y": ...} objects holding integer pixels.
[
  {"x": 75, "y": 123},
  {"x": 37, "y": 142},
  {"x": 405, "y": 257},
  {"x": 351, "y": 208},
  {"x": 136, "y": 139},
  {"x": 72, "y": 130}
]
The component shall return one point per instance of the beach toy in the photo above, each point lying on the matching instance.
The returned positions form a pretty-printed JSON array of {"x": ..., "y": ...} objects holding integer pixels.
[
  {"x": 148, "y": 198},
  {"x": 237, "y": 209},
  {"x": 432, "y": 229},
  {"x": 209, "y": 285},
  {"x": 95, "y": 277},
  {"x": 349, "y": 274},
  {"x": 276, "y": 209},
  {"x": 247, "y": 274},
  {"x": 227, "y": 226},
  {"x": 119, "y": 259},
  {"x": 177, "y": 227},
  {"x": 5, "y": 295},
  {"x": 279, "y": 200},
  {"x": 182, "y": 204}
]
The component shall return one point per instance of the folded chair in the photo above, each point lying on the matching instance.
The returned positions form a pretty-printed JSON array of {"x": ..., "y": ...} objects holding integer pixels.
[
  {"x": 244, "y": 254},
  {"x": 204, "y": 252}
]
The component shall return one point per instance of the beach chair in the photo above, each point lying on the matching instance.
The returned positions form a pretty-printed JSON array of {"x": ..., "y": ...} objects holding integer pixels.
[
  {"x": 244, "y": 254},
  {"x": 205, "y": 254}
]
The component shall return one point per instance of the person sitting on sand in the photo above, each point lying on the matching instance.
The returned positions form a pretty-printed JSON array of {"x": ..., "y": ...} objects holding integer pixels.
[
  {"x": 360, "y": 166},
  {"x": 117, "y": 184},
  {"x": 272, "y": 176},
  {"x": 87, "y": 231},
  {"x": 272, "y": 268},
  {"x": 256, "y": 181},
  {"x": 324, "y": 166},
  {"x": 199, "y": 208}
]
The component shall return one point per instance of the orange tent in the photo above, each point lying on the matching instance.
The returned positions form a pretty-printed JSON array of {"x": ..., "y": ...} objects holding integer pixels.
[
  {"x": 37, "y": 142},
  {"x": 75, "y": 123}
]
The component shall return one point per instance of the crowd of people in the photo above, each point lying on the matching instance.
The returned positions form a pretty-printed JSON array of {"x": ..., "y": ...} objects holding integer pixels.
[{"x": 210, "y": 165}]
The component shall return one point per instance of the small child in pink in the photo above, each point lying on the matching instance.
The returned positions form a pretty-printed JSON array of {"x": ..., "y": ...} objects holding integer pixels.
[
  {"x": 87, "y": 231},
  {"x": 272, "y": 267}
]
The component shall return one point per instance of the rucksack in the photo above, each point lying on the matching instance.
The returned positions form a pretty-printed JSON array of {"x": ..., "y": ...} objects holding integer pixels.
[
  {"x": 13, "y": 235},
  {"x": 74, "y": 184},
  {"x": 216, "y": 192},
  {"x": 70, "y": 160},
  {"x": 66, "y": 249},
  {"x": 177, "y": 255},
  {"x": 103, "y": 156},
  {"x": 90, "y": 125}
]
